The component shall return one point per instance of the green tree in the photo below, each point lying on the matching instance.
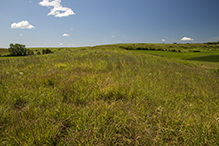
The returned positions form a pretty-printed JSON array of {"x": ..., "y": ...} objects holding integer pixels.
[
  {"x": 46, "y": 51},
  {"x": 17, "y": 49},
  {"x": 30, "y": 52}
]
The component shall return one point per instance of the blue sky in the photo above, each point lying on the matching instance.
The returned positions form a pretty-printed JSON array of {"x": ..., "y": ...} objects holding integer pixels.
[{"x": 71, "y": 23}]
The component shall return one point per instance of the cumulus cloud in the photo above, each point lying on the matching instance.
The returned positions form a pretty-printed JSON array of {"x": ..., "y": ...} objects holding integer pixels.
[
  {"x": 65, "y": 34},
  {"x": 21, "y": 34},
  {"x": 58, "y": 10},
  {"x": 163, "y": 40},
  {"x": 61, "y": 44},
  {"x": 113, "y": 36},
  {"x": 22, "y": 25},
  {"x": 187, "y": 39}
]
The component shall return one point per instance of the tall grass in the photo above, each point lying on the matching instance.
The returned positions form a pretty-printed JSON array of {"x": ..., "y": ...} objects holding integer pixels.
[{"x": 106, "y": 97}]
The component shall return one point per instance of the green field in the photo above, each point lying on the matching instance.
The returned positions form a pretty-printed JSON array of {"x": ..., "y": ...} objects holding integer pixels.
[
  {"x": 107, "y": 95},
  {"x": 208, "y": 59},
  {"x": 184, "y": 56}
]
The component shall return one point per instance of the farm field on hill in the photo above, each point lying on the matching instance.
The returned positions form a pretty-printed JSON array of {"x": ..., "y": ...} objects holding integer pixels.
[
  {"x": 183, "y": 56},
  {"x": 208, "y": 59},
  {"x": 106, "y": 95},
  {"x": 202, "y": 55}
]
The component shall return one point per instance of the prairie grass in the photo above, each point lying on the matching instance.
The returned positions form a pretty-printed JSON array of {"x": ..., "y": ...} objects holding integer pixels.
[
  {"x": 106, "y": 96},
  {"x": 183, "y": 56}
]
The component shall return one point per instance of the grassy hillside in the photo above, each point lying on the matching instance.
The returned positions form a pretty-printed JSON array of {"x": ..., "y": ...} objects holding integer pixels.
[
  {"x": 206, "y": 59},
  {"x": 106, "y": 95},
  {"x": 182, "y": 48}
]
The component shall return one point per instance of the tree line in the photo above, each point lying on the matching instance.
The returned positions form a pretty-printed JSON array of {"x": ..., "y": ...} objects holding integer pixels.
[{"x": 21, "y": 50}]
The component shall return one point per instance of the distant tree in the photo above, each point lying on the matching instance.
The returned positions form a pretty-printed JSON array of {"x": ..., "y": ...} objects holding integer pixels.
[
  {"x": 17, "y": 50},
  {"x": 212, "y": 43},
  {"x": 30, "y": 52},
  {"x": 46, "y": 51}
]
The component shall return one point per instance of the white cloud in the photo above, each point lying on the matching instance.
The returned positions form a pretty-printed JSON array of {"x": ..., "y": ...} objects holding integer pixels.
[
  {"x": 61, "y": 44},
  {"x": 58, "y": 10},
  {"x": 22, "y": 25},
  {"x": 113, "y": 36},
  {"x": 72, "y": 29},
  {"x": 65, "y": 34},
  {"x": 163, "y": 40},
  {"x": 21, "y": 34},
  {"x": 186, "y": 39}
]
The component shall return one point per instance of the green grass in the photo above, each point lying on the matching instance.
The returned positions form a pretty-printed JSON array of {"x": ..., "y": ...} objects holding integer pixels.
[
  {"x": 210, "y": 58},
  {"x": 207, "y": 59},
  {"x": 106, "y": 95},
  {"x": 177, "y": 55},
  {"x": 171, "y": 47}
]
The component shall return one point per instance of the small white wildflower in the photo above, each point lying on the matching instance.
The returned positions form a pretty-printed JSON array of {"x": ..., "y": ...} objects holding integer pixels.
[
  {"x": 21, "y": 73},
  {"x": 217, "y": 119},
  {"x": 160, "y": 108}
]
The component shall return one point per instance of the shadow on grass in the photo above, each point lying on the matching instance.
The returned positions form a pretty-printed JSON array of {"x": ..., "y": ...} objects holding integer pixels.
[{"x": 211, "y": 58}]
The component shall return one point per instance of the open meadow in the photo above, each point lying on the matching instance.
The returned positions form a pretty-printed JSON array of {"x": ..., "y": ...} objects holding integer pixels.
[{"x": 124, "y": 94}]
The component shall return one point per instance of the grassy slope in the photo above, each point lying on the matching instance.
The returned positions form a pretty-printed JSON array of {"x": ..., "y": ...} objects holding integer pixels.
[
  {"x": 206, "y": 59},
  {"x": 180, "y": 55},
  {"x": 106, "y": 97},
  {"x": 203, "y": 55}
]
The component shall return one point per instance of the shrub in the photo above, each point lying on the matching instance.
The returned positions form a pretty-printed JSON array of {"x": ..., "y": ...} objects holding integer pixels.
[
  {"x": 38, "y": 53},
  {"x": 159, "y": 49},
  {"x": 46, "y": 51},
  {"x": 196, "y": 51},
  {"x": 30, "y": 52}
]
